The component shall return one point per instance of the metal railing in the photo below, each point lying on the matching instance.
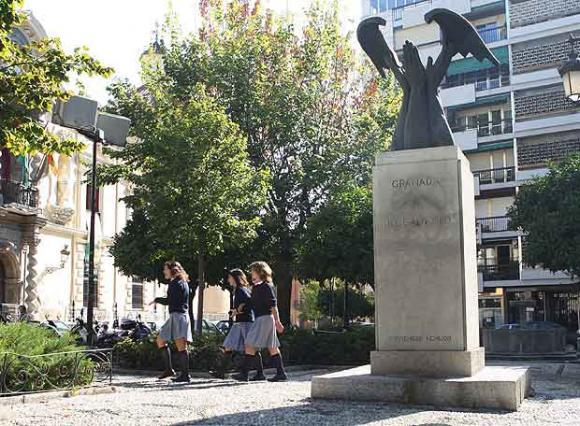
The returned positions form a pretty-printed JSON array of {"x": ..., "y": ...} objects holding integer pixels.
[
  {"x": 483, "y": 80},
  {"x": 507, "y": 271},
  {"x": 14, "y": 192},
  {"x": 500, "y": 175},
  {"x": 486, "y": 128},
  {"x": 491, "y": 35},
  {"x": 22, "y": 374},
  {"x": 493, "y": 224}
]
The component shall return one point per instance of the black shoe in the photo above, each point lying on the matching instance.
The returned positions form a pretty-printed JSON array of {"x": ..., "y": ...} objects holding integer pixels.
[
  {"x": 258, "y": 378},
  {"x": 166, "y": 374},
  {"x": 241, "y": 377},
  {"x": 278, "y": 378},
  {"x": 217, "y": 374},
  {"x": 184, "y": 378}
]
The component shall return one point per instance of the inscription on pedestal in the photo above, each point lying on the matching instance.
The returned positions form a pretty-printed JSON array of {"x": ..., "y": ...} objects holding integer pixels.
[{"x": 419, "y": 252}]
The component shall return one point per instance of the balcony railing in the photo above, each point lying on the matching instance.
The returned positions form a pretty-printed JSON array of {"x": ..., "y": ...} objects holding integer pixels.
[
  {"x": 483, "y": 80},
  {"x": 500, "y": 175},
  {"x": 485, "y": 128},
  {"x": 14, "y": 192},
  {"x": 493, "y": 224},
  {"x": 507, "y": 271},
  {"x": 491, "y": 35}
]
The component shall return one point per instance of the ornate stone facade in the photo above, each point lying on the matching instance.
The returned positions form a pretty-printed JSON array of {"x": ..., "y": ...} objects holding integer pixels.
[{"x": 527, "y": 12}]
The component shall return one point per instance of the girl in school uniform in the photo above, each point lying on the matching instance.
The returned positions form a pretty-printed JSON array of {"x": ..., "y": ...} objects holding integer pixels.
[
  {"x": 243, "y": 320},
  {"x": 262, "y": 334},
  {"x": 177, "y": 328}
]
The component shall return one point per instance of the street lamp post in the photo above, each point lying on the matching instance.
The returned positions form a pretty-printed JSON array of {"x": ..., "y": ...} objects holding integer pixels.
[
  {"x": 570, "y": 73},
  {"x": 96, "y": 136}
]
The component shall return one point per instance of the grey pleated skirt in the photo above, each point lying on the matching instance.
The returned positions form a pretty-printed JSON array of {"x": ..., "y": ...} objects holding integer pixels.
[
  {"x": 236, "y": 338},
  {"x": 263, "y": 333},
  {"x": 176, "y": 327}
]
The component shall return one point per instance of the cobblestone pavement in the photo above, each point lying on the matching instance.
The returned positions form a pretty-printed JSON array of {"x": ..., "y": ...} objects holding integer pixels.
[{"x": 145, "y": 401}]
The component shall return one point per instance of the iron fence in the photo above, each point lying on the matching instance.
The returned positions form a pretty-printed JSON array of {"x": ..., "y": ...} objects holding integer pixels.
[{"x": 24, "y": 374}]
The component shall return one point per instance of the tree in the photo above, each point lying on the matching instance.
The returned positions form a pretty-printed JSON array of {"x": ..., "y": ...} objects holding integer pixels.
[
  {"x": 297, "y": 99},
  {"x": 547, "y": 211},
  {"x": 193, "y": 190},
  {"x": 32, "y": 78},
  {"x": 339, "y": 238}
]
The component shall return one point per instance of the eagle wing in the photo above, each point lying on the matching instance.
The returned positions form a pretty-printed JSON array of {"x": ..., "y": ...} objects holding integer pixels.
[
  {"x": 373, "y": 43},
  {"x": 459, "y": 33}
]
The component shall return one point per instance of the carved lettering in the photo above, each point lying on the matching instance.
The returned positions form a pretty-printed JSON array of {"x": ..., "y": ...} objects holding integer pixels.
[{"x": 413, "y": 183}]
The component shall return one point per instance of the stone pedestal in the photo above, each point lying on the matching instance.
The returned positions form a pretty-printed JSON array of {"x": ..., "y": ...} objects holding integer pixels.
[{"x": 426, "y": 309}]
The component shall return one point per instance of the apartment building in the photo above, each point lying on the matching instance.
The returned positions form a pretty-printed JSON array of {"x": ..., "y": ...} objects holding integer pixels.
[{"x": 510, "y": 121}]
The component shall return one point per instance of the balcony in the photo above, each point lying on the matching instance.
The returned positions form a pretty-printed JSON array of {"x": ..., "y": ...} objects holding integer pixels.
[
  {"x": 493, "y": 224},
  {"x": 499, "y": 175},
  {"x": 504, "y": 272},
  {"x": 17, "y": 194},
  {"x": 492, "y": 35},
  {"x": 484, "y": 128},
  {"x": 482, "y": 80}
]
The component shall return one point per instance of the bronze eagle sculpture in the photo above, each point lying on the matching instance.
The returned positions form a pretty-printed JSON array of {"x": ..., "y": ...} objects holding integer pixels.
[{"x": 422, "y": 122}]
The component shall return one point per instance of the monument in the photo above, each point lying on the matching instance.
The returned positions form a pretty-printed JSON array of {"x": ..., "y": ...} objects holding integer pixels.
[{"x": 426, "y": 308}]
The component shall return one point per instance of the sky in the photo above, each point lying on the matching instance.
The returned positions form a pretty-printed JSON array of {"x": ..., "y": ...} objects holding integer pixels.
[
  {"x": 115, "y": 31},
  {"x": 118, "y": 31}
]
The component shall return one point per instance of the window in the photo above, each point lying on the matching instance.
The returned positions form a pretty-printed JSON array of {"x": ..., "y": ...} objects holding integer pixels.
[
  {"x": 496, "y": 128},
  {"x": 97, "y": 199},
  {"x": 136, "y": 293},
  {"x": 482, "y": 125}
]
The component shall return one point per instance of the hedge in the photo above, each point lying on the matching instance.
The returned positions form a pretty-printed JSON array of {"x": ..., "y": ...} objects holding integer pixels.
[{"x": 25, "y": 374}]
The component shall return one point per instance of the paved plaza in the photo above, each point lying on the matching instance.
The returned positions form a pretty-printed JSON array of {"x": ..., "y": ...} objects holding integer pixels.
[{"x": 145, "y": 401}]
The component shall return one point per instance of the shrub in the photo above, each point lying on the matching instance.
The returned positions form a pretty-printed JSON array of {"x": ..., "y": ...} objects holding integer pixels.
[
  {"x": 24, "y": 374},
  {"x": 299, "y": 347},
  {"x": 145, "y": 355},
  {"x": 352, "y": 347}
]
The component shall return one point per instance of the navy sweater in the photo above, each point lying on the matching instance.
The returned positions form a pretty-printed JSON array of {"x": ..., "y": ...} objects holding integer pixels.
[
  {"x": 177, "y": 296},
  {"x": 263, "y": 299},
  {"x": 242, "y": 296}
]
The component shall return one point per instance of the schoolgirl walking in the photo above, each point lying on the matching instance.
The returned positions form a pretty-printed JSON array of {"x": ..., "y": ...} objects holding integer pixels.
[
  {"x": 177, "y": 327},
  {"x": 243, "y": 320},
  {"x": 262, "y": 333}
]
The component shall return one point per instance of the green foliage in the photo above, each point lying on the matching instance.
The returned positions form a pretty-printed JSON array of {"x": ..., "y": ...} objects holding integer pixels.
[
  {"x": 58, "y": 370},
  {"x": 145, "y": 355},
  {"x": 32, "y": 78},
  {"x": 547, "y": 211},
  {"x": 299, "y": 101},
  {"x": 338, "y": 241},
  {"x": 194, "y": 191},
  {"x": 318, "y": 301},
  {"x": 309, "y": 301},
  {"x": 351, "y": 347},
  {"x": 298, "y": 346}
]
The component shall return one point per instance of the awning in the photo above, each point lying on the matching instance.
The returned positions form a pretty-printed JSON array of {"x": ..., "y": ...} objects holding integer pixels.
[
  {"x": 471, "y": 64},
  {"x": 488, "y": 100},
  {"x": 492, "y": 147},
  {"x": 486, "y": 10}
]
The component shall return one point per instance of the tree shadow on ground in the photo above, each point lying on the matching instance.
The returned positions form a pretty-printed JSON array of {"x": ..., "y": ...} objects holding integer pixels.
[{"x": 328, "y": 412}]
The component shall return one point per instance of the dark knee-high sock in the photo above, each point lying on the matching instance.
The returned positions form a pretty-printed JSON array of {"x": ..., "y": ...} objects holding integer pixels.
[
  {"x": 278, "y": 363},
  {"x": 259, "y": 363},
  {"x": 166, "y": 352},
  {"x": 184, "y": 358},
  {"x": 247, "y": 363}
]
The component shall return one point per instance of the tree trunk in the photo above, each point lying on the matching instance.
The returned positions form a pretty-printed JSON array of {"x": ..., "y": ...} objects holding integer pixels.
[
  {"x": 345, "y": 310},
  {"x": 200, "y": 289},
  {"x": 283, "y": 279}
]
